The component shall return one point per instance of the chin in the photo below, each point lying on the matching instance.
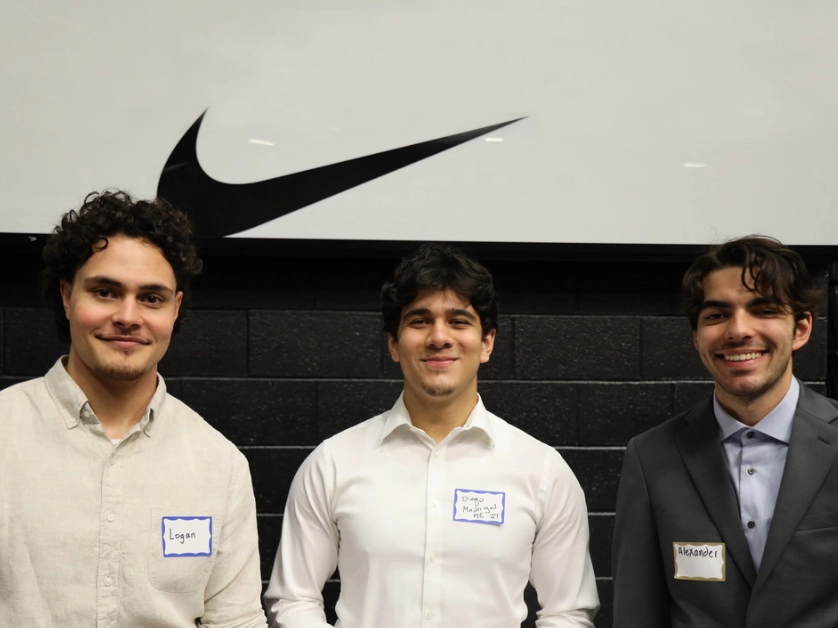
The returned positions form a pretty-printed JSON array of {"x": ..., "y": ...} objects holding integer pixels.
[{"x": 120, "y": 373}]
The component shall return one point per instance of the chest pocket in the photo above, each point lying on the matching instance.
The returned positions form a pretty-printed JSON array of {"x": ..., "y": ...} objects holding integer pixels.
[{"x": 182, "y": 548}]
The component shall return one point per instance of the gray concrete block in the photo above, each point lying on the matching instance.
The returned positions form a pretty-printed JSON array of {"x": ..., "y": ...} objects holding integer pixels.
[
  {"x": 546, "y": 411},
  {"x": 342, "y": 404},
  {"x": 577, "y": 347},
  {"x": 210, "y": 343},
  {"x": 31, "y": 341},
  {"x": 667, "y": 349},
  {"x": 598, "y": 471},
  {"x": 314, "y": 344},
  {"x": 610, "y": 414},
  {"x": 256, "y": 412}
]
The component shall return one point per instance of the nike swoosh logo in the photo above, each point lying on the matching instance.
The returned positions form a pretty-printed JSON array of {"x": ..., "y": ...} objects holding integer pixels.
[{"x": 221, "y": 209}]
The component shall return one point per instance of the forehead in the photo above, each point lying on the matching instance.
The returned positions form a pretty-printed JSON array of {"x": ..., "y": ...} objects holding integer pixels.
[
  {"x": 727, "y": 283},
  {"x": 128, "y": 260},
  {"x": 441, "y": 300}
]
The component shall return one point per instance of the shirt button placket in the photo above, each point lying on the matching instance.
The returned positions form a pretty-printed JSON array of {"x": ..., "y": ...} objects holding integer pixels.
[{"x": 435, "y": 518}]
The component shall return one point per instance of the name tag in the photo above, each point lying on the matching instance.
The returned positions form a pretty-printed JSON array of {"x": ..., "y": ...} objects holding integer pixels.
[
  {"x": 187, "y": 536},
  {"x": 699, "y": 561},
  {"x": 479, "y": 506}
]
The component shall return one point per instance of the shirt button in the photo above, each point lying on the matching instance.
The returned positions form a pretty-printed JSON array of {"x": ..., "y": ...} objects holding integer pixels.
[
  {"x": 111, "y": 517},
  {"x": 433, "y": 504},
  {"x": 751, "y": 471},
  {"x": 108, "y": 581},
  {"x": 750, "y": 434},
  {"x": 429, "y": 615},
  {"x": 751, "y": 524},
  {"x": 436, "y": 455},
  {"x": 432, "y": 558}
]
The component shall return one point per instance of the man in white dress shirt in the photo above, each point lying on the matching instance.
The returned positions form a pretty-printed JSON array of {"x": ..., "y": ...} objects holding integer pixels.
[{"x": 437, "y": 512}]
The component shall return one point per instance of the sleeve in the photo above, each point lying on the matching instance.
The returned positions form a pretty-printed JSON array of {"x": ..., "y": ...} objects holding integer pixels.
[
  {"x": 640, "y": 592},
  {"x": 308, "y": 548},
  {"x": 561, "y": 572},
  {"x": 231, "y": 597}
]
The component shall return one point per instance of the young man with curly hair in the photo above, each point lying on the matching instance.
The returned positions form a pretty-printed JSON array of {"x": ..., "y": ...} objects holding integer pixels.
[
  {"x": 726, "y": 514},
  {"x": 437, "y": 512},
  {"x": 119, "y": 506}
]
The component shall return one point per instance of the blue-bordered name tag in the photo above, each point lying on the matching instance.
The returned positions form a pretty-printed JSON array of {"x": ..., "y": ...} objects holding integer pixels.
[
  {"x": 187, "y": 536},
  {"x": 476, "y": 506}
]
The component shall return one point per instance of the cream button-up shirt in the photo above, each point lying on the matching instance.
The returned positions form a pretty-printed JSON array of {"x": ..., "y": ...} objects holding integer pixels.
[
  {"x": 434, "y": 534},
  {"x": 158, "y": 530}
]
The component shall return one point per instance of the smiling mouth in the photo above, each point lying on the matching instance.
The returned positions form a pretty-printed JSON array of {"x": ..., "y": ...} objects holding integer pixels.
[
  {"x": 741, "y": 357},
  {"x": 127, "y": 341}
]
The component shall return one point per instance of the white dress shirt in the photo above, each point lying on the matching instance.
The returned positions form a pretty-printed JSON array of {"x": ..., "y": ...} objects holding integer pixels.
[
  {"x": 756, "y": 459},
  {"x": 434, "y": 534}
]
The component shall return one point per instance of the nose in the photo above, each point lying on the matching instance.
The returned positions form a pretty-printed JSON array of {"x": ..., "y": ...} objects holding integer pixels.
[
  {"x": 438, "y": 335},
  {"x": 127, "y": 314},
  {"x": 739, "y": 326}
]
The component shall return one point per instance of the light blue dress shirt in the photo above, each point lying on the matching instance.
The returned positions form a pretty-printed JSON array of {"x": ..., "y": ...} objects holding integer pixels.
[{"x": 756, "y": 457}]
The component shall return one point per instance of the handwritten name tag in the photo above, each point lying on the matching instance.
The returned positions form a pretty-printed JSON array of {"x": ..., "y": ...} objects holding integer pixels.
[
  {"x": 479, "y": 506},
  {"x": 187, "y": 536},
  {"x": 699, "y": 561}
]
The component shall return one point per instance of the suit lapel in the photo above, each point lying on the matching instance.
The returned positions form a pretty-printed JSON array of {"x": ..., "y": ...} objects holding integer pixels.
[
  {"x": 701, "y": 451},
  {"x": 812, "y": 450}
]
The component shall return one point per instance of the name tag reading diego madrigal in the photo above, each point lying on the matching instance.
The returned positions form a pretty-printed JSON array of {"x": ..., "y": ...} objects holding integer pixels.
[
  {"x": 479, "y": 506},
  {"x": 187, "y": 536},
  {"x": 699, "y": 561}
]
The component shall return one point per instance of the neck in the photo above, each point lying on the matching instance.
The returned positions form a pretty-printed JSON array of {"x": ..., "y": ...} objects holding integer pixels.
[
  {"x": 119, "y": 405},
  {"x": 437, "y": 416},
  {"x": 750, "y": 410}
]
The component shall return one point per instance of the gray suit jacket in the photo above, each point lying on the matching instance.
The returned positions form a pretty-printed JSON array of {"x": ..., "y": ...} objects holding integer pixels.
[{"x": 675, "y": 487}]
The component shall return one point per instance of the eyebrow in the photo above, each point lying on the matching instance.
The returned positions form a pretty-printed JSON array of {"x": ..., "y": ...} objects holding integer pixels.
[
  {"x": 101, "y": 280},
  {"x": 755, "y": 302},
  {"x": 451, "y": 311}
]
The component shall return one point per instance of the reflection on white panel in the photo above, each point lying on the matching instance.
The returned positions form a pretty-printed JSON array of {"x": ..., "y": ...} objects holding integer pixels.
[{"x": 647, "y": 121}]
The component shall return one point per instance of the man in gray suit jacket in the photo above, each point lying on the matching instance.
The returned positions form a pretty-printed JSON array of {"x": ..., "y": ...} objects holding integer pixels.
[{"x": 727, "y": 515}]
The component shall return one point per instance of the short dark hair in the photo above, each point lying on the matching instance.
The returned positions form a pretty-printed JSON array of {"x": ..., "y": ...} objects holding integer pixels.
[
  {"x": 768, "y": 267},
  {"x": 435, "y": 268},
  {"x": 104, "y": 215}
]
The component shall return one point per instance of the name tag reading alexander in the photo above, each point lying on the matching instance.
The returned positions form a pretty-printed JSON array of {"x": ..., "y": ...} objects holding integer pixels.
[
  {"x": 479, "y": 506},
  {"x": 187, "y": 536},
  {"x": 699, "y": 561}
]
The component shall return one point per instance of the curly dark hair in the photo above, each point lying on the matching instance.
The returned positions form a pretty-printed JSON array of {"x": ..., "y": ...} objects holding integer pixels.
[
  {"x": 106, "y": 214},
  {"x": 437, "y": 267},
  {"x": 768, "y": 267}
]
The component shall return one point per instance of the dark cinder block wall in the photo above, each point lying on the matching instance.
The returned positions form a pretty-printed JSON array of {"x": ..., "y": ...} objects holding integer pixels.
[{"x": 282, "y": 350}]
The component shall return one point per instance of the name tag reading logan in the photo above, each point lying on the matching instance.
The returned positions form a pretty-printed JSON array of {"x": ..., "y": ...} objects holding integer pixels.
[{"x": 187, "y": 536}]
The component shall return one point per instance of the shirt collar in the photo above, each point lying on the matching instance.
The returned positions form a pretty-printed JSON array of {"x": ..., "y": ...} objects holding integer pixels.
[
  {"x": 478, "y": 422},
  {"x": 776, "y": 424},
  {"x": 75, "y": 408}
]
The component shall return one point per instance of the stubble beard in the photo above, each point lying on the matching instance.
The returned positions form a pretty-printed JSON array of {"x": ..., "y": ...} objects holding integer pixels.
[
  {"x": 438, "y": 391},
  {"x": 119, "y": 372}
]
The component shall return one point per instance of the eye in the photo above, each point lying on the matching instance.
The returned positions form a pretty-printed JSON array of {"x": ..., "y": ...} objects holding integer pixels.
[
  {"x": 103, "y": 293},
  {"x": 153, "y": 299},
  {"x": 417, "y": 322}
]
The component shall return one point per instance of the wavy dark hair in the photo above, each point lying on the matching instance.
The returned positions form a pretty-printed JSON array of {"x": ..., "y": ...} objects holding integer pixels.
[
  {"x": 434, "y": 268},
  {"x": 104, "y": 215},
  {"x": 768, "y": 267}
]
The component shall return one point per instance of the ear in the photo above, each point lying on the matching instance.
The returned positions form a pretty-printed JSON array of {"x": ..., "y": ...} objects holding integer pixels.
[
  {"x": 66, "y": 289},
  {"x": 178, "y": 301},
  {"x": 393, "y": 347},
  {"x": 802, "y": 331},
  {"x": 488, "y": 345}
]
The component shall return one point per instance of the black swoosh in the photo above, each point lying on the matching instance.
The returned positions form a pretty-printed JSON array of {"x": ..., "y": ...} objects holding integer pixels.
[{"x": 220, "y": 209}]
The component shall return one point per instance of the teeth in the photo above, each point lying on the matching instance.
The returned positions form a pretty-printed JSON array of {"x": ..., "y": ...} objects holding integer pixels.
[{"x": 742, "y": 356}]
